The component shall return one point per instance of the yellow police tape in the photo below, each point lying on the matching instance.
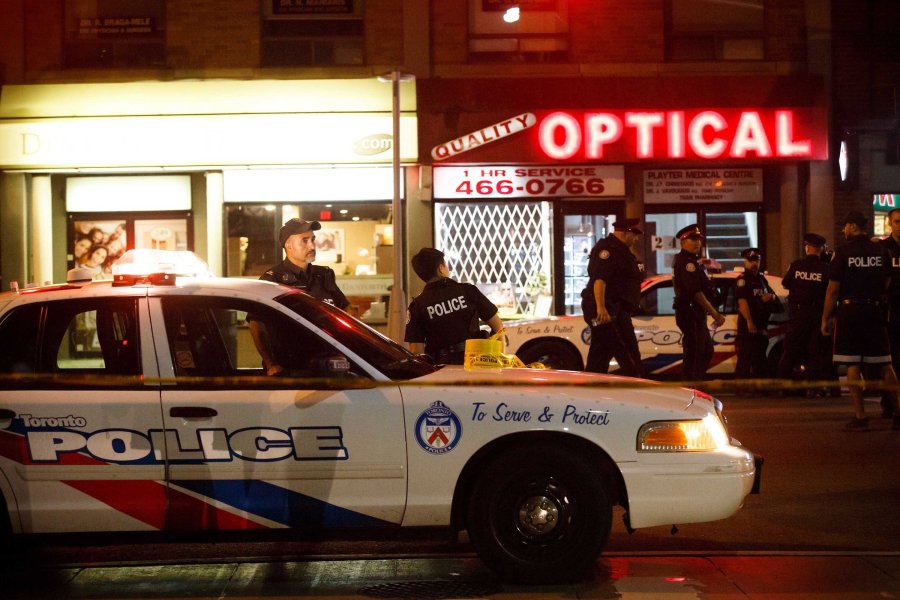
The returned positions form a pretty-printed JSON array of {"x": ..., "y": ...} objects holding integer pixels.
[{"x": 488, "y": 354}]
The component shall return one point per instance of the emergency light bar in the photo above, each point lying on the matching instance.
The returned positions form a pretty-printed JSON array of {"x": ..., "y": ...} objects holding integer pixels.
[{"x": 157, "y": 267}]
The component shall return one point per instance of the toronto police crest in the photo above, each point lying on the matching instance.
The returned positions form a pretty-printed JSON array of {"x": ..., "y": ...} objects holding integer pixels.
[{"x": 438, "y": 429}]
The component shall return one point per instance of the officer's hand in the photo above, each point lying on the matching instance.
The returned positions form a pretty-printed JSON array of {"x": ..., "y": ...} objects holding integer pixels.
[
  {"x": 767, "y": 297},
  {"x": 603, "y": 315},
  {"x": 719, "y": 319},
  {"x": 824, "y": 328},
  {"x": 752, "y": 329},
  {"x": 274, "y": 369}
]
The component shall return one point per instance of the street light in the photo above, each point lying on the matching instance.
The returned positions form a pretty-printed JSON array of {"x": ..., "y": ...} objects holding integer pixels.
[{"x": 397, "y": 315}]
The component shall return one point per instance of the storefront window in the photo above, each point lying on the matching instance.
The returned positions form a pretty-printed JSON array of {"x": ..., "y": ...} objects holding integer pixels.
[
  {"x": 502, "y": 247},
  {"x": 715, "y": 30},
  {"x": 518, "y": 30},
  {"x": 298, "y": 33},
  {"x": 581, "y": 233},
  {"x": 356, "y": 241}
]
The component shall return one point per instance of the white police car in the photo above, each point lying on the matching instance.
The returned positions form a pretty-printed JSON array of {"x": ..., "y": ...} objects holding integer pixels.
[
  {"x": 563, "y": 342},
  {"x": 142, "y": 404}
]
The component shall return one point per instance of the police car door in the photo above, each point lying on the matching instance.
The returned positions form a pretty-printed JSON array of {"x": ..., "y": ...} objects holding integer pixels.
[
  {"x": 79, "y": 428},
  {"x": 250, "y": 451},
  {"x": 658, "y": 336}
]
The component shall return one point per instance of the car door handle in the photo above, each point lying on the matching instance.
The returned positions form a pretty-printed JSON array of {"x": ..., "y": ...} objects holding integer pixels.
[
  {"x": 5, "y": 413},
  {"x": 192, "y": 412}
]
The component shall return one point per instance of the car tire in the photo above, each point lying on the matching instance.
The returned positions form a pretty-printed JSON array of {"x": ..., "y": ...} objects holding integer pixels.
[
  {"x": 539, "y": 515},
  {"x": 554, "y": 355}
]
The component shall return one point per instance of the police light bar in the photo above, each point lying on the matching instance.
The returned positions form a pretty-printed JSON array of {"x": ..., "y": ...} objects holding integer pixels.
[{"x": 157, "y": 267}]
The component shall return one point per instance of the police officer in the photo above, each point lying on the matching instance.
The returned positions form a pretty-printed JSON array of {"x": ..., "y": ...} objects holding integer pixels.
[
  {"x": 892, "y": 243},
  {"x": 613, "y": 293},
  {"x": 858, "y": 277},
  {"x": 694, "y": 297},
  {"x": 756, "y": 302},
  {"x": 447, "y": 312},
  {"x": 806, "y": 281},
  {"x": 298, "y": 239}
]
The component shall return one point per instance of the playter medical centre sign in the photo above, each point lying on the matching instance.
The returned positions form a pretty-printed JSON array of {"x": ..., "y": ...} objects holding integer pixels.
[{"x": 704, "y": 134}]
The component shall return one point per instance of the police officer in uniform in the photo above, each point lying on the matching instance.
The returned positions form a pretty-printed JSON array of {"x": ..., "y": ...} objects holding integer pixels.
[
  {"x": 806, "y": 281},
  {"x": 756, "y": 302},
  {"x": 892, "y": 243},
  {"x": 447, "y": 312},
  {"x": 613, "y": 293},
  {"x": 694, "y": 297},
  {"x": 298, "y": 239},
  {"x": 858, "y": 277}
]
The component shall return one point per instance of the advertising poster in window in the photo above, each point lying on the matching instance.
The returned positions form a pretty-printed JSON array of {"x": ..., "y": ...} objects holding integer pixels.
[
  {"x": 97, "y": 245},
  {"x": 330, "y": 245},
  {"x": 161, "y": 234}
]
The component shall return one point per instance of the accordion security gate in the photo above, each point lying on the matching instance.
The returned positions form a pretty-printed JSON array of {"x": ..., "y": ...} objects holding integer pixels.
[{"x": 498, "y": 243}]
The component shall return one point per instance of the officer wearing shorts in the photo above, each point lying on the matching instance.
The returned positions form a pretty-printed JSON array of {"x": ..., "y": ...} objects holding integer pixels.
[
  {"x": 694, "y": 298},
  {"x": 806, "y": 280},
  {"x": 612, "y": 295},
  {"x": 756, "y": 302},
  {"x": 858, "y": 278},
  {"x": 447, "y": 312}
]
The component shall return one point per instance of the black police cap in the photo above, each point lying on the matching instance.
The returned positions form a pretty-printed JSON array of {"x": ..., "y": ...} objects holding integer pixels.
[
  {"x": 751, "y": 254},
  {"x": 426, "y": 261},
  {"x": 295, "y": 226},
  {"x": 630, "y": 225},
  {"x": 857, "y": 218},
  {"x": 814, "y": 239},
  {"x": 689, "y": 232}
]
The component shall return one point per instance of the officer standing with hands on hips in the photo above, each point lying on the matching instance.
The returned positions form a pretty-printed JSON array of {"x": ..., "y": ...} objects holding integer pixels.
[
  {"x": 756, "y": 302},
  {"x": 806, "y": 281},
  {"x": 858, "y": 277},
  {"x": 613, "y": 293},
  {"x": 447, "y": 312},
  {"x": 694, "y": 297},
  {"x": 298, "y": 239}
]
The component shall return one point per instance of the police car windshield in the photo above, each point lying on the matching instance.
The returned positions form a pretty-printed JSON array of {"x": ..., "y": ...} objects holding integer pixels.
[{"x": 390, "y": 358}]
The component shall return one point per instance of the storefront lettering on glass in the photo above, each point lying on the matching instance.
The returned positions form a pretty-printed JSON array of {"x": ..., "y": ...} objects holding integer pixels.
[
  {"x": 113, "y": 27},
  {"x": 675, "y": 186},
  {"x": 311, "y": 7},
  {"x": 694, "y": 135}
]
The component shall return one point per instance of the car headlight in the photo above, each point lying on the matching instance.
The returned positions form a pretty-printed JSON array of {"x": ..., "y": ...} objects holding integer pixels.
[{"x": 682, "y": 436}]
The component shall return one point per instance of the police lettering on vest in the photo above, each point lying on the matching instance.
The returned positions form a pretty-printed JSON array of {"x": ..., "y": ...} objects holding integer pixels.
[
  {"x": 446, "y": 307},
  {"x": 864, "y": 261}
]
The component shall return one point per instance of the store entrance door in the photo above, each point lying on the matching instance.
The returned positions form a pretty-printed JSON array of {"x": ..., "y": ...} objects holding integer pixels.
[{"x": 579, "y": 225}]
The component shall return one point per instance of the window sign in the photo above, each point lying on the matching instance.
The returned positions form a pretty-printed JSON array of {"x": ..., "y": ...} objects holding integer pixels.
[
  {"x": 680, "y": 186},
  {"x": 885, "y": 202},
  {"x": 511, "y": 181}
]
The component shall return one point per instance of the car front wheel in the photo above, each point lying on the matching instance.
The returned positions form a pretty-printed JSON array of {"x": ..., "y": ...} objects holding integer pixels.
[{"x": 539, "y": 515}]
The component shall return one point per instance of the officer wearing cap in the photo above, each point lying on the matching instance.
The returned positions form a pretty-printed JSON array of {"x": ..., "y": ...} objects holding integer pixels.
[
  {"x": 695, "y": 294},
  {"x": 447, "y": 312},
  {"x": 892, "y": 243},
  {"x": 806, "y": 280},
  {"x": 858, "y": 277},
  {"x": 756, "y": 302},
  {"x": 298, "y": 239},
  {"x": 613, "y": 293}
]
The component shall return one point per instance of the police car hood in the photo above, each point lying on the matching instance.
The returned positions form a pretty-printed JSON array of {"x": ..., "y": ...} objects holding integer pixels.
[{"x": 575, "y": 384}]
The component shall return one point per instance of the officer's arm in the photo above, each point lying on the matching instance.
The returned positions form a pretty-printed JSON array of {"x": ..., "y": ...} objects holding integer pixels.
[
  {"x": 261, "y": 341},
  {"x": 744, "y": 309},
  {"x": 600, "y": 297},
  {"x": 701, "y": 299},
  {"x": 417, "y": 347},
  {"x": 831, "y": 295}
]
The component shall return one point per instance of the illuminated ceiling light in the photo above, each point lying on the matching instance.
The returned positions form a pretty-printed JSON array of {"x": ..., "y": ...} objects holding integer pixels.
[
  {"x": 355, "y": 218},
  {"x": 511, "y": 15},
  {"x": 270, "y": 207},
  {"x": 344, "y": 211},
  {"x": 844, "y": 161}
]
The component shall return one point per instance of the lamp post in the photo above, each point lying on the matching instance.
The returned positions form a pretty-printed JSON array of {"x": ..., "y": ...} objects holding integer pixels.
[{"x": 397, "y": 315}]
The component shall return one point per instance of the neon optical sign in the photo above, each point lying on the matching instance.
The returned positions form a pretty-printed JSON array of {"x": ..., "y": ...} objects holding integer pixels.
[{"x": 703, "y": 134}]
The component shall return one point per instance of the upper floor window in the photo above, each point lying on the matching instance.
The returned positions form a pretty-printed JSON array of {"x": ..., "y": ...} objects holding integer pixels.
[
  {"x": 115, "y": 33},
  {"x": 715, "y": 30},
  {"x": 312, "y": 33},
  {"x": 518, "y": 30}
]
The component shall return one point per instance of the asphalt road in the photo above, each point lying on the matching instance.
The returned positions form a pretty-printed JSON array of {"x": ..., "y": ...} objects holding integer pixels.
[{"x": 823, "y": 490}]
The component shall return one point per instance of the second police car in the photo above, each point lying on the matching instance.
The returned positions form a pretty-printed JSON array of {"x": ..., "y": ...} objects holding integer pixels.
[
  {"x": 563, "y": 342},
  {"x": 142, "y": 405}
]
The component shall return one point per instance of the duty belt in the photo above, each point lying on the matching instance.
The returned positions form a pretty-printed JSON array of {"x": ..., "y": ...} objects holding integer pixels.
[
  {"x": 860, "y": 301},
  {"x": 460, "y": 347}
]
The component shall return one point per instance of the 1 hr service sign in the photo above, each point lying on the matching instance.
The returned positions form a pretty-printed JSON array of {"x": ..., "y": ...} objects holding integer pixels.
[{"x": 511, "y": 181}]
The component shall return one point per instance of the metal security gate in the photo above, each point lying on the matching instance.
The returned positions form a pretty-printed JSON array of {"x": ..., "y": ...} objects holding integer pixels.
[{"x": 498, "y": 244}]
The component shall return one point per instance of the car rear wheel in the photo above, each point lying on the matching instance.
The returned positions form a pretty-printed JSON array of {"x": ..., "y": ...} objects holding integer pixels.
[
  {"x": 539, "y": 515},
  {"x": 554, "y": 355}
]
